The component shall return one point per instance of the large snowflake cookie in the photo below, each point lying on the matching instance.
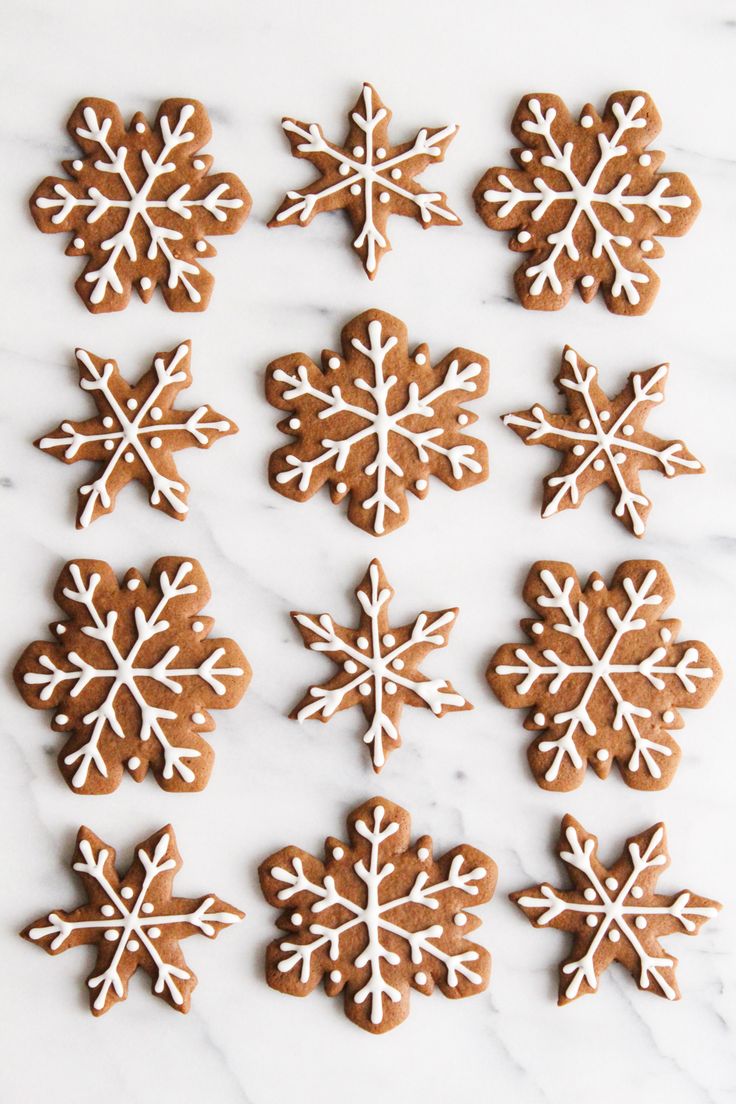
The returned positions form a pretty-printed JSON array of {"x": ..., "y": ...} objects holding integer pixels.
[
  {"x": 604, "y": 677},
  {"x": 378, "y": 917},
  {"x": 367, "y": 177},
  {"x": 603, "y": 440},
  {"x": 140, "y": 203},
  {"x": 615, "y": 914},
  {"x": 376, "y": 421},
  {"x": 132, "y": 675},
  {"x": 133, "y": 921},
  {"x": 377, "y": 665},
  {"x": 587, "y": 202},
  {"x": 135, "y": 433}
]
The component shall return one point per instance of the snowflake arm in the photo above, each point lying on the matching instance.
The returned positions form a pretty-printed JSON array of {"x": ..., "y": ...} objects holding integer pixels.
[
  {"x": 375, "y": 422},
  {"x": 133, "y": 922},
  {"x": 367, "y": 177},
  {"x": 377, "y": 665},
  {"x": 141, "y": 204},
  {"x": 615, "y": 914},
  {"x": 377, "y": 918}
]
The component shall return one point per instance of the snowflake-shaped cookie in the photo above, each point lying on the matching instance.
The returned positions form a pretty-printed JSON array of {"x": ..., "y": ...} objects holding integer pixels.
[
  {"x": 135, "y": 433},
  {"x": 133, "y": 675},
  {"x": 376, "y": 422},
  {"x": 614, "y": 914},
  {"x": 134, "y": 921},
  {"x": 378, "y": 918},
  {"x": 377, "y": 665},
  {"x": 140, "y": 204},
  {"x": 587, "y": 202},
  {"x": 367, "y": 177},
  {"x": 603, "y": 440},
  {"x": 604, "y": 678}
]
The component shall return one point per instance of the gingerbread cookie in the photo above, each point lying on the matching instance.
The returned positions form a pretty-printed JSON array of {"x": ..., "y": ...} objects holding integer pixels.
[
  {"x": 367, "y": 177},
  {"x": 140, "y": 203},
  {"x": 378, "y": 917},
  {"x": 133, "y": 675},
  {"x": 604, "y": 677},
  {"x": 615, "y": 914},
  {"x": 377, "y": 665},
  {"x": 376, "y": 422},
  {"x": 587, "y": 202},
  {"x": 603, "y": 440},
  {"x": 133, "y": 921},
  {"x": 135, "y": 433}
]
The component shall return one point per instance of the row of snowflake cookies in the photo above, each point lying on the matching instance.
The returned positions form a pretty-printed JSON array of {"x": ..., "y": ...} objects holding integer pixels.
[
  {"x": 586, "y": 200},
  {"x": 376, "y": 918}
]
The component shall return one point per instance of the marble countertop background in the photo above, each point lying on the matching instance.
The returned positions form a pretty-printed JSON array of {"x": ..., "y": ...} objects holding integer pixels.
[{"x": 466, "y": 778}]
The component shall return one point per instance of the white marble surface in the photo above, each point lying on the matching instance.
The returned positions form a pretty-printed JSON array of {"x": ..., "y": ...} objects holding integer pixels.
[{"x": 464, "y": 778}]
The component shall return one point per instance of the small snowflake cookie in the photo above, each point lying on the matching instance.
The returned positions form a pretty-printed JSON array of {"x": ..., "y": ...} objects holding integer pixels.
[
  {"x": 132, "y": 675},
  {"x": 135, "y": 433},
  {"x": 140, "y": 203},
  {"x": 377, "y": 665},
  {"x": 133, "y": 921},
  {"x": 604, "y": 678},
  {"x": 367, "y": 177},
  {"x": 603, "y": 440},
  {"x": 376, "y": 421},
  {"x": 378, "y": 917},
  {"x": 615, "y": 914},
  {"x": 587, "y": 202}
]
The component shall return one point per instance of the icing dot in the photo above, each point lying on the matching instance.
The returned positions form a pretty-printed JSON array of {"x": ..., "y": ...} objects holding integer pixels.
[
  {"x": 61, "y": 719},
  {"x": 665, "y": 635},
  {"x": 605, "y": 415},
  {"x": 591, "y": 921},
  {"x": 350, "y": 666},
  {"x": 362, "y": 642},
  {"x": 337, "y": 853},
  {"x": 109, "y": 445},
  {"x": 77, "y": 165},
  {"x": 421, "y": 484},
  {"x": 539, "y": 718},
  {"x": 614, "y": 935},
  {"x": 420, "y": 978},
  {"x": 390, "y": 687},
  {"x": 147, "y": 907},
  {"x": 132, "y": 404},
  {"x": 420, "y": 359},
  {"x": 523, "y": 236},
  {"x": 398, "y": 665},
  {"x": 460, "y": 919},
  {"x": 358, "y": 151},
  {"x": 133, "y": 945},
  {"x": 140, "y": 127},
  {"x": 586, "y": 121},
  {"x": 198, "y": 164},
  {"x": 380, "y": 153},
  {"x": 526, "y": 156},
  {"x": 201, "y": 246},
  {"x": 197, "y": 626},
  {"x": 133, "y": 584},
  {"x": 107, "y": 910},
  {"x": 129, "y": 458},
  {"x": 389, "y": 640},
  {"x": 156, "y": 413},
  {"x": 645, "y": 160},
  {"x": 126, "y": 892},
  {"x": 333, "y": 362},
  {"x": 396, "y": 174},
  {"x": 344, "y": 169},
  {"x": 462, "y": 419},
  {"x": 627, "y": 430},
  {"x": 156, "y": 442},
  {"x": 364, "y": 689},
  {"x": 296, "y": 918},
  {"x": 341, "y": 488},
  {"x": 599, "y": 464},
  {"x": 61, "y": 629},
  {"x": 588, "y": 281},
  {"x": 602, "y": 755},
  {"x": 198, "y": 718},
  {"x": 294, "y": 423},
  {"x": 146, "y": 286},
  {"x": 423, "y": 853},
  {"x": 355, "y": 189},
  {"x": 154, "y": 933},
  {"x": 668, "y": 716},
  {"x": 537, "y": 628},
  {"x": 111, "y": 935},
  {"x": 384, "y": 197},
  {"x": 647, "y": 246},
  {"x": 134, "y": 763},
  {"x": 335, "y": 976},
  {"x": 79, "y": 243},
  {"x": 637, "y": 892},
  {"x": 108, "y": 422},
  {"x": 598, "y": 584},
  {"x": 611, "y": 883},
  {"x": 578, "y": 450},
  {"x": 584, "y": 423},
  {"x": 589, "y": 894},
  {"x": 640, "y": 923}
]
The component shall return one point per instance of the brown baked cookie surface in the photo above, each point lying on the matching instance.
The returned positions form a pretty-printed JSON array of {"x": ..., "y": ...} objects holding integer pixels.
[
  {"x": 140, "y": 204},
  {"x": 132, "y": 675},
  {"x": 134, "y": 921},
  {"x": 615, "y": 914},
  {"x": 367, "y": 177},
  {"x": 135, "y": 433},
  {"x": 376, "y": 421},
  {"x": 587, "y": 201},
  {"x": 602, "y": 676},
  {"x": 378, "y": 917},
  {"x": 603, "y": 441}
]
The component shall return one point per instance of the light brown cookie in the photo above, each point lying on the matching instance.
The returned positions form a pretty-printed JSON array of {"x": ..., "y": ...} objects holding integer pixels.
[
  {"x": 135, "y": 433},
  {"x": 587, "y": 202},
  {"x": 140, "y": 204},
  {"x": 603, "y": 440},
  {"x": 614, "y": 914},
  {"x": 367, "y": 177},
  {"x": 132, "y": 675},
  {"x": 376, "y": 422},
  {"x": 604, "y": 677},
  {"x": 378, "y": 917},
  {"x": 377, "y": 665},
  {"x": 133, "y": 921}
]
